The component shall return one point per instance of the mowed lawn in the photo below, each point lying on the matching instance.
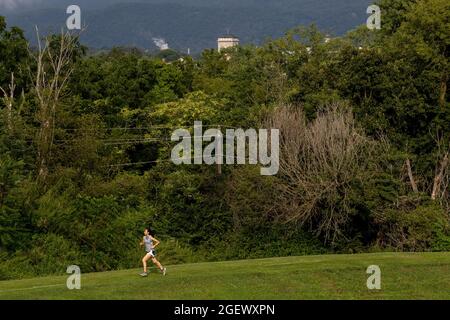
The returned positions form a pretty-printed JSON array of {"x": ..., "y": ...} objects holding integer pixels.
[{"x": 403, "y": 276}]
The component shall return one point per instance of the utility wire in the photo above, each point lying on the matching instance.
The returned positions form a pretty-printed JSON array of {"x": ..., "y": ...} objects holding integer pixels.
[{"x": 139, "y": 128}]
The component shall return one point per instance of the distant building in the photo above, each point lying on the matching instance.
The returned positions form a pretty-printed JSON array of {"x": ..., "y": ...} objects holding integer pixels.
[{"x": 227, "y": 41}]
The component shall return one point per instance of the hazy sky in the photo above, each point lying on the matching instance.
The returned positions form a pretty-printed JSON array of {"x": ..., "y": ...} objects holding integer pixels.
[{"x": 15, "y": 4}]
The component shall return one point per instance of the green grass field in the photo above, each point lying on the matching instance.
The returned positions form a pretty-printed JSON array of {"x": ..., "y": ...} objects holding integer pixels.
[{"x": 403, "y": 276}]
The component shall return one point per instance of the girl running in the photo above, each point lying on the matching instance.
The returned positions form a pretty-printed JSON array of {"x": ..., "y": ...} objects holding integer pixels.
[{"x": 150, "y": 244}]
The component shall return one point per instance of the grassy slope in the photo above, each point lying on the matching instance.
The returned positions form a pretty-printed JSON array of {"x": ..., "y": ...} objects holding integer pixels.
[{"x": 404, "y": 276}]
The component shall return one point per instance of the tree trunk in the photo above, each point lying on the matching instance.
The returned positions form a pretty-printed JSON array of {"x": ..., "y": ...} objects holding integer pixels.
[
  {"x": 411, "y": 177},
  {"x": 53, "y": 70},
  {"x": 439, "y": 177}
]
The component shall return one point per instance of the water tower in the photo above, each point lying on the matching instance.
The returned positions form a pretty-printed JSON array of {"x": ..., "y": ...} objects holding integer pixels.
[{"x": 227, "y": 41}]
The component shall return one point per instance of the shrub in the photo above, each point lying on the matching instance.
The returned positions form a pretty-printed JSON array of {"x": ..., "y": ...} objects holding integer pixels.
[
  {"x": 52, "y": 254},
  {"x": 170, "y": 251},
  {"x": 16, "y": 266},
  {"x": 130, "y": 189},
  {"x": 262, "y": 242},
  {"x": 190, "y": 207},
  {"x": 256, "y": 231},
  {"x": 49, "y": 254},
  {"x": 324, "y": 165},
  {"x": 424, "y": 227}
]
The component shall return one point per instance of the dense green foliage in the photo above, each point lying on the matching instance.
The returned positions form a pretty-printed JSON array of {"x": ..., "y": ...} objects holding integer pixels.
[{"x": 109, "y": 168}]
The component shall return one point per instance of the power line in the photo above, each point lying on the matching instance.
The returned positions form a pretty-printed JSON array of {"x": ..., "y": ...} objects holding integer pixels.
[
  {"x": 139, "y": 128},
  {"x": 109, "y": 141}
]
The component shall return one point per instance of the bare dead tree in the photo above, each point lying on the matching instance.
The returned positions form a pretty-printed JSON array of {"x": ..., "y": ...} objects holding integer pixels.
[
  {"x": 8, "y": 100},
  {"x": 318, "y": 163},
  {"x": 53, "y": 69}
]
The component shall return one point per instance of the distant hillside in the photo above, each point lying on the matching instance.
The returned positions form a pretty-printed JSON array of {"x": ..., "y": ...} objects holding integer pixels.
[{"x": 193, "y": 24}]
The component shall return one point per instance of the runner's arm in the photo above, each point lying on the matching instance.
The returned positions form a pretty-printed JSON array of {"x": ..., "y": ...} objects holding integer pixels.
[{"x": 156, "y": 242}]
